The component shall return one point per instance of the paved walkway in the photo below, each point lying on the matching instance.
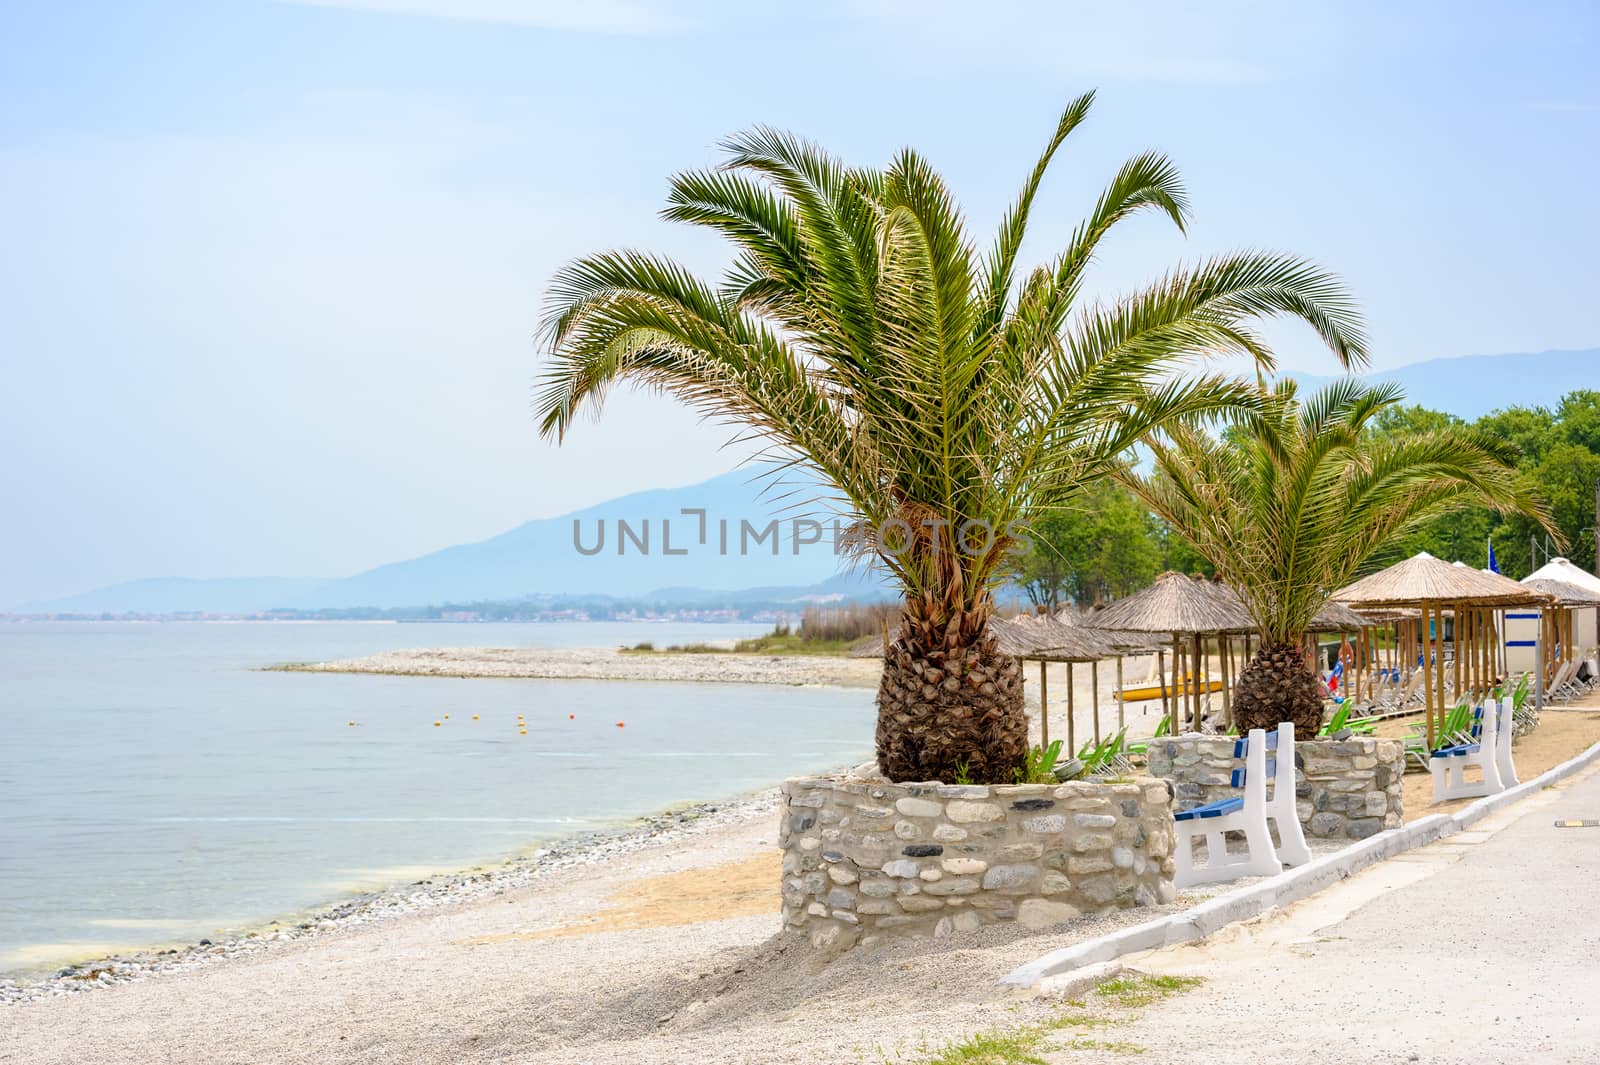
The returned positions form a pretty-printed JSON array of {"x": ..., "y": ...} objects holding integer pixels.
[{"x": 1484, "y": 947}]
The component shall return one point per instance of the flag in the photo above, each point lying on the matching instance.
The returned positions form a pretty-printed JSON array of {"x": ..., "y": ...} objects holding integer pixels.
[{"x": 1494, "y": 566}]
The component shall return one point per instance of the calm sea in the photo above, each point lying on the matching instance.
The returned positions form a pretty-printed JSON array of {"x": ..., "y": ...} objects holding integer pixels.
[{"x": 155, "y": 787}]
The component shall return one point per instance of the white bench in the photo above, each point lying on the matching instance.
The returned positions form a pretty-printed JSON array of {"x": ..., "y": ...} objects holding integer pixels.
[
  {"x": 1481, "y": 748},
  {"x": 1269, "y": 759}
]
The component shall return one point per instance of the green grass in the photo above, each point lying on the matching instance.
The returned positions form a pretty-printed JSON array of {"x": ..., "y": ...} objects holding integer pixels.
[
  {"x": 1024, "y": 1045},
  {"x": 1104, "y": 1046},
  {"x": 1132, "y": 992}
]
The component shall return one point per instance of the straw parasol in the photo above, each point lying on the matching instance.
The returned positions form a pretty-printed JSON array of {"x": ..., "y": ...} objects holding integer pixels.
[
  {"x": 1057, "y": 638},
  {"x": 1179, "y": 606},
  {"x": 1425, "y": 579},
  {"x": 1336, "y": 617},
  {"x": 1430, "y": 584},
  {"x": 1566, "y": 594}
]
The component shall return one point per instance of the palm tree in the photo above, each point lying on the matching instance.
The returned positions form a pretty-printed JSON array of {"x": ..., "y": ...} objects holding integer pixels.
[
  {"x": 859, "y": 332},
  {"x": 1293, "y": 499}
]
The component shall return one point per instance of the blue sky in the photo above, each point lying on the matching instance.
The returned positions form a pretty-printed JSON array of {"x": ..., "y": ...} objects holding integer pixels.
[{"x": 271, "y": 269}]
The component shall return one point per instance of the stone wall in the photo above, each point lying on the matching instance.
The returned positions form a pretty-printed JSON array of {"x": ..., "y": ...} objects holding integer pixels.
[
  {"x": 866, "y": 859},
  {"x": 1347, "y": 789}
]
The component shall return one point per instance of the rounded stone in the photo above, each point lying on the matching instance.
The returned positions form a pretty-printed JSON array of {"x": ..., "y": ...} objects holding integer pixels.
[
  {"x": 1041, "y": 913},
  {"x": 911, "y": 807},
  {"x": 964, "y": 866},
  {"x": 903, "y": 868},
  {"x": 841, "y": 874},
  {"x": 1000, "y": 877},
  {"x": 878, "y": 887},
  {"x": 907, "y": 830},
  {"x": 966, "y": 813},
  {"x": 949, "y": 834}
]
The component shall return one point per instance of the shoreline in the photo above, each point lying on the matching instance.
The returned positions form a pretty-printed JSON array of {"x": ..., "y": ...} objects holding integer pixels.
[
  {"x": 598, "y": 663},
  {"x": 473, "y": 883}
]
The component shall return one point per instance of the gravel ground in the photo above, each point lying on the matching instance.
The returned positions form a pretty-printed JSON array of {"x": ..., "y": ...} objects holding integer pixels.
[{"x": 595, "y": 663}]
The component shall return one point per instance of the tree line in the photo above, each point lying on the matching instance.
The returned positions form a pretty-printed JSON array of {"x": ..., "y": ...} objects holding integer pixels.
[{"x": 1109, "y": 545}]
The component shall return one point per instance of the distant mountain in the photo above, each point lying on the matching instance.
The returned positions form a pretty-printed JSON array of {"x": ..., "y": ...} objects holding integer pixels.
[
  {"x": 640, "y": 541},
  {"x": 661, "y": 548},
  {"x": 183, "y": 595},
  {"x": 755, "y": 549},
  {"x": 1471, "y": 386}
]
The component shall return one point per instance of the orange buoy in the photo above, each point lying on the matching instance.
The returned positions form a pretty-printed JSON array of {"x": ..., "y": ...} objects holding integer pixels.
[
  {"x": 619, "y": 724},
  {"x": 571, "y": 717}
]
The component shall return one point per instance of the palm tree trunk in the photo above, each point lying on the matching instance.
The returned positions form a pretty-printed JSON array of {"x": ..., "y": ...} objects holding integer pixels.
[
  {"x": 950, "y": 699},
  {"x": 1278, "y": 685}
]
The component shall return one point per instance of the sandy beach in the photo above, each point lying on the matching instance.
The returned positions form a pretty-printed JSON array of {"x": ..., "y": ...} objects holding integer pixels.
[{"x": 628, "y": 958}]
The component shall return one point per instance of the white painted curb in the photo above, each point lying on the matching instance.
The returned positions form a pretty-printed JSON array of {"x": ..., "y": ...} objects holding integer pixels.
[{"x": 1200, "y": 921}]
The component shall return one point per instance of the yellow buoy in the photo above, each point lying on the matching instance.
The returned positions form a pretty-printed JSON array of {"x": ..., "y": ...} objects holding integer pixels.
[
  {"x": 436, "y": 724},
  {"x": 474, "y": 717},
  {"x": 350, "y": 722}
]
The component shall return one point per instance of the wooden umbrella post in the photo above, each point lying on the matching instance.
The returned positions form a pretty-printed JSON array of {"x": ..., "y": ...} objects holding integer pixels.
[
  {"x": 1180, "y": 705},
  {"x": 1161, "y": 679},
  {"x": 1094, "y": 697},
  {"x": 1072, "y": 724},
  {"x": 1428, "y": 683},
  {"x": 1444, "y": 704},
  {"x": 1227, "y": 702},
  {"x": 1044, "y": 704},
  {"x": 1122, "y": 702},
  {"x": 1455, "y": 648},
  {"x": 1196, "y": 683}
]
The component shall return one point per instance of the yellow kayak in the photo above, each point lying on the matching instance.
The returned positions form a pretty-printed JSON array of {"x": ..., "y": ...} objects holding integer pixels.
[{"x": 1179, "y": 689}]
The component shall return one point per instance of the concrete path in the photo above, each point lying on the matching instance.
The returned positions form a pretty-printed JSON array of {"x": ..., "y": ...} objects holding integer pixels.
[{"x": 1484, "y": 947}]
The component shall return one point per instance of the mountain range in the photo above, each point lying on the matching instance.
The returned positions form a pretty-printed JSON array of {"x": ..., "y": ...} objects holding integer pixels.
[{"x": 663, "y": 549}]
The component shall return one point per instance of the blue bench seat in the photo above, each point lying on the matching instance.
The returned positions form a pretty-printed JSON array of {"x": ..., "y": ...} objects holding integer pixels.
[
  {"x": 1210, "y": 809},
  {"x": 1459, "y": 749}
]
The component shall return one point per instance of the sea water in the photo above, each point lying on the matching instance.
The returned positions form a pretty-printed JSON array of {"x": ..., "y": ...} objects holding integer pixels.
[{"x": 156, "y": 786}]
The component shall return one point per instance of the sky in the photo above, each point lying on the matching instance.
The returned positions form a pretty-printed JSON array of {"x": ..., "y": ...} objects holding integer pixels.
[{"x": 271, "y": 271}]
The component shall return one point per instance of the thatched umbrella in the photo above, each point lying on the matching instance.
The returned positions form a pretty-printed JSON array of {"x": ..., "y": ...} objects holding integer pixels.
[
  {"x": 1559, "y": 569},
  {"x": 1179, "y": 606},
  {"x": 1056, "y": 639},
  {"x": 1568, "y": 598},
  {"x": 1429, "y": 584}
]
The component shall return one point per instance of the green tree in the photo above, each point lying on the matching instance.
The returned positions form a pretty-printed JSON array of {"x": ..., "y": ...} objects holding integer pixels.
[
  {"x": 1291, "y": 502},
  {"x": 938, "y": 388},
  {"x": 1101, "y": 549}
]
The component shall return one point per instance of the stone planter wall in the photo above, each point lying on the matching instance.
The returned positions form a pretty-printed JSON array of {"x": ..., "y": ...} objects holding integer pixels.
[
  {"x": 1346, "y": 789},
  {"x": 866, "y": 859}
]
